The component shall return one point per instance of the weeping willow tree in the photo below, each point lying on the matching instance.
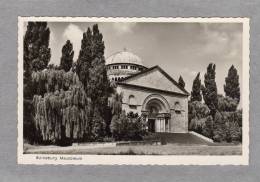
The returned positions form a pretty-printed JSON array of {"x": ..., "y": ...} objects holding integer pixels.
[
  {"x": 62, "y": 112},
  {"x": 50, "y": 80}
]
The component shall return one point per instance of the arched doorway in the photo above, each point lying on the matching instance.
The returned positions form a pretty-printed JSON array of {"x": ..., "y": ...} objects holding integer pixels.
[{"x": 156, "y": 112}]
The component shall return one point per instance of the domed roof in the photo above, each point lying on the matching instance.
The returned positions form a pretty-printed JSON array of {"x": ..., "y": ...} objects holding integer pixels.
[{"x": 124, "y": 57}]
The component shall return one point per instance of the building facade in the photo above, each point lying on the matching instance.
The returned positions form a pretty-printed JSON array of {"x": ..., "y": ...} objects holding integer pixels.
[{"x": 150, "y": 92}]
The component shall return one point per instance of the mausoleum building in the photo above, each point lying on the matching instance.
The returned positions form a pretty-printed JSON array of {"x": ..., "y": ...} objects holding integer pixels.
[{"x": 150, "y": 92}]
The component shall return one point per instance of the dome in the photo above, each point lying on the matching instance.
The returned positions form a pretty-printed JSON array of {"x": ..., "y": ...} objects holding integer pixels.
[{"x": 124, "y": 57}]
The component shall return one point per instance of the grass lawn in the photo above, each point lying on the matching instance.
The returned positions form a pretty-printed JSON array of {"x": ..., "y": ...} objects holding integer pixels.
[{"x": 169, "y": 149}]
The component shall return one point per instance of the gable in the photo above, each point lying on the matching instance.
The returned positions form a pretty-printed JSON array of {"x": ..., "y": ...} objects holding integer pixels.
[{"x": 154, "y": 78}]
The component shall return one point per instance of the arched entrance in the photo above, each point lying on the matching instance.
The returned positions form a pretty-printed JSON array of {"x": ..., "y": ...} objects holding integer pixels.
[{"x": 156, "y": 112}]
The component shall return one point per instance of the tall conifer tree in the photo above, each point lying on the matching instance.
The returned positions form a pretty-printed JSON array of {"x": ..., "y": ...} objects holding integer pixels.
[
  {"x": 231, "y": 87},
  {"x": 92, "y": 72},
  {"x": 196, "y": 89},
  {"x": 85, "y": 58},
  {"x": 36, "y": 52},
  {"x": 36, "y": 56},
  {"x": 67, "y": 56},
  {"x": 181, "y": 82},
  {"x": 210, "y": 89}
]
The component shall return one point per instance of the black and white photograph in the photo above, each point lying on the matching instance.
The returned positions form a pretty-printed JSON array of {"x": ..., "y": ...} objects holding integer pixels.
[{"x": 166, "y": 91}]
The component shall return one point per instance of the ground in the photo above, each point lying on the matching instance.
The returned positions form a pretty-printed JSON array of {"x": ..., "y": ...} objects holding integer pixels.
[
  {"x": 176, "y": 144},
  {"x": 169, "y": 149}
]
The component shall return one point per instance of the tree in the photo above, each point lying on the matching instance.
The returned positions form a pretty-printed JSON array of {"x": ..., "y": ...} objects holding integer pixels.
[
  {"x": 207, "y": 129},
  {"x": 227, "y": 104},
  {"x": 85, "y": 58},
  {"x": 181, "y": 82},
  {"x": 60, "y": 115},
  {"x": 209, "y": 91},
  {"x": 36, "y": 56},
  {"x": 219, "y": 128},
  {"x": 92, "y": 73},
  {"x": 128, "y": 127},
  {"x": 67, "y": 56},
  {"x": 36, "y": 42},
  {"x": 231, "y": 87},
  {"x": 198, "y": 114},
  {"x": 196, "y": 89}
]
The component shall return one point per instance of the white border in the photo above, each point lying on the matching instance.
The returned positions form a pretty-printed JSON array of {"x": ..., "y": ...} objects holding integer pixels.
[{"x": 138, "y": 159}]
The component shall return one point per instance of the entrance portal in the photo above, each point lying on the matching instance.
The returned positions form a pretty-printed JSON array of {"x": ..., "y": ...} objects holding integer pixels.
[{"x": 157, "y": 113}]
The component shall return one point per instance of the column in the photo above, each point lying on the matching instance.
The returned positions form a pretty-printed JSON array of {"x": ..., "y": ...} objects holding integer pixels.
[{"x": 163, "y": 121}]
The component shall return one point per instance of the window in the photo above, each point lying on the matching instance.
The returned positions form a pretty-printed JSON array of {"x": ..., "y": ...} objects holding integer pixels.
[
  {"x": 177, "y": 108},
  {"x": 133, "y": 67},
  {"x": 115, "y": 67},
  {"x": 115, "y": 78},
  {"x": 124, "y": 67},
  {"x": 177, "y": 112},
  {"x": 132, "y": 101},
  {"x": 132, "y": 107}
]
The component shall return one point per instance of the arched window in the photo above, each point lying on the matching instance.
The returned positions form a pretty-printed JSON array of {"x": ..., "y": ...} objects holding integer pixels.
[
  {"x": 132, "y": 102},
  {"x": 115, "y": 78},
  {"x": 177, "y": 108}
]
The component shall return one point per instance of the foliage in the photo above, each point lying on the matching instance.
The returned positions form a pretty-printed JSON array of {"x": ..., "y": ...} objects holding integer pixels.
[
  {"x": 238, "y": 117},
  {"x": 50, "y": 80},
  {"x": 181, "y": 82},
  {"x": 196, "y": 89},
  {"x": 85, "y": 58},
  {"x": 61, "y": 115},
  {"x": 127, "y": 127},
  {"x": 233, "y": 131},
  {"x": 92, "y": 73},
  {"x": 116, "y": 103},
  {"x": 198, "y": 110},
  {"x": 231, "y": 87},
  {"x": 36, "y": 42},
  {"x": 227, "y": 103},
  {"x": 210, "y": 89},
  {"x": 198, "y": 115},
  {"x": 67, "y": 56},
  {"x": 207, "y": 128},
  {"x": 36, "y": 56},
  {"x": 226, "y": 127},
  {"x": 219, "y": 133}
]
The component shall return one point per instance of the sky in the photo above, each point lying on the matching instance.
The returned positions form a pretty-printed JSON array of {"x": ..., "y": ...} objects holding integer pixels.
[{"x": 178, "y": 48}]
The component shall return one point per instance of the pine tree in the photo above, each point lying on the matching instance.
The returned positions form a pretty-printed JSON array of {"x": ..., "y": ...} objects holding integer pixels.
[
  {"x": 181, "y": 82},
  {"x": 210, "y": 89},
  {"x": 231, "y": 87},
  {"x": 67, "y": 56},
  {"x": 196, "y": 89}
]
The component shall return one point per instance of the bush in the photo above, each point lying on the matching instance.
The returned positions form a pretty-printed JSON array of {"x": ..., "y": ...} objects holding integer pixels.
[
  {"x": 226, "y": 127},
  {"x": 207, "y": 128},
  {"x": 127, "y": 127},
  {"x": 219, "y": 128},
  {"x": 199, "y": 118},
  {"x": 227, "y": 104}
]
